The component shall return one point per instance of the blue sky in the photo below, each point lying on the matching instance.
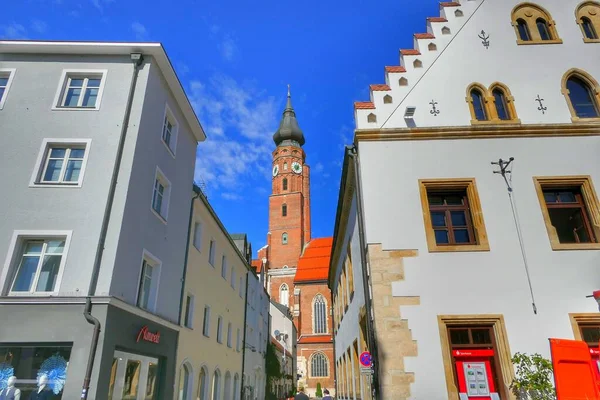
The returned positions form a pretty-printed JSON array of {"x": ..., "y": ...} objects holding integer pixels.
[{"x": 235, "y": 59}]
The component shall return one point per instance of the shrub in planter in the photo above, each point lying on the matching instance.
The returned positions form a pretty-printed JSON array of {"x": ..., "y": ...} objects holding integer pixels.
[{"x": 534, "y": 380}]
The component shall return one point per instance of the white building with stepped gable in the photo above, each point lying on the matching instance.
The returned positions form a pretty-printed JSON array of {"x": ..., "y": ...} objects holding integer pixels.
[{"x": 435, "y": 269}]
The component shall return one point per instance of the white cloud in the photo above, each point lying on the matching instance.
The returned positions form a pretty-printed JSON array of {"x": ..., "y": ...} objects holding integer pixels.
[
  {"x": 239, "y": 121},
  {"x": 39, "y": 26},
  {"x": 140, "y": 31},
  {"x": 228, "y": 48},
  {"x": 99, "y": 4},
  {"x": 318, "y": 168},
  {"x": 13, "y": 31},
  {"x": 231, "y": 196}
]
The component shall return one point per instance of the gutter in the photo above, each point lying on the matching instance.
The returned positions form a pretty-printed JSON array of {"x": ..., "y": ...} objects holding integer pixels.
[
  {"x": 244, "y": 342},
  {"x": 185, "y": 262},
  {"x": 371, "y": 337},
  {"x": 137, "y": 59}
]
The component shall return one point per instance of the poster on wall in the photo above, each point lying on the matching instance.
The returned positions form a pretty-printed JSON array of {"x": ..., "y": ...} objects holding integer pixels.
[{"x": 477, "y": 380}]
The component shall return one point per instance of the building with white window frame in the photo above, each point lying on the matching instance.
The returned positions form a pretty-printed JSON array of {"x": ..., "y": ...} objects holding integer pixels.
[{"x": 93, "y": 234}]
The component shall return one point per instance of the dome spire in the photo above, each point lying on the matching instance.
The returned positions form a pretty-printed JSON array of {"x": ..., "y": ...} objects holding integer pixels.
[{"x": 289, "y": 132}]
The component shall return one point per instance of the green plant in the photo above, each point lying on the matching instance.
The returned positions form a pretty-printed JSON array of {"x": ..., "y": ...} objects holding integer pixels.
[
  {"x": 272, "y": 366},
  {"x": 534, "y": 377},
  {"x": 319, "y": 392}
]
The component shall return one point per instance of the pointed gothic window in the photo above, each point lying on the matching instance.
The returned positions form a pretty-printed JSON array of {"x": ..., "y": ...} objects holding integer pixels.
[
  {"x": 284, "y": 295},
  {"x": 583, "y": 95},
  {"x": 588, "y": 18},
  {"x": 284, "y": 238},
  {"x": 285, "y": 183},
  {"x": 319, "y": 365},
  {"x": 319, "y": 314},
  {"x": 534, "y": 25},
  {"x": 284, "y": 210},
  {"x": 478, "y": 101}
]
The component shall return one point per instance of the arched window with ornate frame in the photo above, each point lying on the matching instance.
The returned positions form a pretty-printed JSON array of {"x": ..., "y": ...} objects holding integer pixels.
[
  {"x": 582, "y": 93},
  {"x": 319, "y": 314},
  {"x": 494, "y": 105},
  {"x": 588, "y": 18},
  {"x": 319, "y": 365},
  {"x": 534, "y": 25},
  {"x": 284, "y": 295}
]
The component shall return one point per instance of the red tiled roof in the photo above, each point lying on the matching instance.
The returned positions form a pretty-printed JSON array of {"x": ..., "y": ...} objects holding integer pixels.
[
  {"x": 437, "y": 19},
  {"x": 313, "y": 265},
  {"x": 257, "y": 264},
  {"x": 364, "y": 105},
  {"x": 424, "y": 36},
  {"x": 410, "y": 52},
  {"x": 315, "y": 339},
  {"x": 380, "y": 87},
  {"x": 449, "y": 4},
  {"x": 395, "y": 68}
]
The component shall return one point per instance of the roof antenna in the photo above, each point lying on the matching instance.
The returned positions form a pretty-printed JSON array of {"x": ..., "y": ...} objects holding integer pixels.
[{"x": 507, "y": 175}]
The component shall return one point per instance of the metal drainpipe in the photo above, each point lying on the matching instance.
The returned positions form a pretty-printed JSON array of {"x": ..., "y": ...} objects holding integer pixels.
[
  {"x": 185, "y": 262},
  {"x": 371, "y": 339},
  {"x": 137, "y": 60},
  {"x": 244, "y": 342}
]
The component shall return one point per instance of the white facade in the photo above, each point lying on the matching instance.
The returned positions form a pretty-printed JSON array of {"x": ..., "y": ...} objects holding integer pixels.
[
  {"x": 283, "y": 331},
  {"x": 545, "y": 139}
]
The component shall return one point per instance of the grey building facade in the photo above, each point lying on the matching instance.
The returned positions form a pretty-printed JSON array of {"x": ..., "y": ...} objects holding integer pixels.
[{"x": 100, "y": 144}]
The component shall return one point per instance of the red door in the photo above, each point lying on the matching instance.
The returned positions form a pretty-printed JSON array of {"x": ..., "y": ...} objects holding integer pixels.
[{"x": 474, "y": 374}]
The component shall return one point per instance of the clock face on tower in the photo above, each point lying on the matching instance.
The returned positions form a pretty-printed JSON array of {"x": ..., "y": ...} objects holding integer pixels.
[
  {"x": 275, "y": 170},
  {"x": 296, "y": 167}
]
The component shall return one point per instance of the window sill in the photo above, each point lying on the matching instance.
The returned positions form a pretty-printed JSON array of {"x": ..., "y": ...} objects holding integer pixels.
[
  {"x": 171, "y": 152},
  {"x": 56, "y": 185},
  {"x": 496, "y": 122},
  {"x": 531, "y": 42},
  {"x": 459, "y": 248},
  {"x": 32, "y": 294},
  {"x": 76, "y": 108},
  {"x": 585, "y": 120},
  {"x": 574, "y": 246},
  {"x": 160, "y": 217},
  {"x": 586, "y": 40}
]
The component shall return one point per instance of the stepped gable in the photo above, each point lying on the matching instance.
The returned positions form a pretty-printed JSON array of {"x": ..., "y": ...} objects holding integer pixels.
[
  {"x": 313, "y": 264},
  {"x": 400, "y": 79}
]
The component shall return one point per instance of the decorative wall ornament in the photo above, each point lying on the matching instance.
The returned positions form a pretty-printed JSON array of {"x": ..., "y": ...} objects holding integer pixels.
[
  {"x": 6, "y": 371},
  {"x": 485, "y": 39},
  {"x": 55, "y": 368},
  {"x": 541, "y": 107},
  {"x": 434, "y": 111}
]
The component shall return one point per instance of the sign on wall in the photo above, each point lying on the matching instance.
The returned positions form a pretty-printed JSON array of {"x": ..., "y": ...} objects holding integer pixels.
[{"x": 147, "y": 336}]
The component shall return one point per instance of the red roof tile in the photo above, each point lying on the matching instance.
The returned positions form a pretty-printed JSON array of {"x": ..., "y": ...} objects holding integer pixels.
[
  {"x": 424, "y": 36},
  {"x": 410, "y": 52},
  {"x": 449, "y": 4},
  {"x": 364, "y": 105},
  {"x": 437, "y": 19},
  {"x": 313, "y": 265},
  {"x": 315, "y": 339},
  {"x": 257, "y": 264},
  {"x": 376, "y": 88},
  {"x": 395, "y": 68}
]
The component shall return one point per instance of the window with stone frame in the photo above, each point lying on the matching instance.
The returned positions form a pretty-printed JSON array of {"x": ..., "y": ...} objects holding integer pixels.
[
  {"x": 452, "y": 215},
  {"x": 534, "y": 25}
]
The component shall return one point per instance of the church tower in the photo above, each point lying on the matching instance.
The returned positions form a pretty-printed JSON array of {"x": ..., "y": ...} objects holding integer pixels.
[{"x": 289, "y": 203}]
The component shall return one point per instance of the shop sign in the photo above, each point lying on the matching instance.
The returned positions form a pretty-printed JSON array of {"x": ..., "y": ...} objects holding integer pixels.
[{"x": 146, "y": 335}]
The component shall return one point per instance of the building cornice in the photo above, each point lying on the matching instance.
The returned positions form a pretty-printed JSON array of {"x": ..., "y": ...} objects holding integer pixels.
[
  {"x": 477, "y": 132},
  {"x": 281, "y": 272}
]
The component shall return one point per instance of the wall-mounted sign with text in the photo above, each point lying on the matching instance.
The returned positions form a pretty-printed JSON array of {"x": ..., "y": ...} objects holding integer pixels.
[{"x": 147, "y": 336}]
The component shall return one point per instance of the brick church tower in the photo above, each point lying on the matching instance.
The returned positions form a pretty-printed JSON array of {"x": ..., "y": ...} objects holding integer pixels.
[{"x": 295, "y": 265}]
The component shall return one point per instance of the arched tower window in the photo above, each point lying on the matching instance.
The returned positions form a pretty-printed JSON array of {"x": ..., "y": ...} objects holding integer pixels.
[
  {"x": 285, "y": 166},
  {"x": 588, "y": 18},
  {"x": 284, "y": 238},
  {"x": 284, "y": 295},
  {"x": 533, "y": 24},
  {"x": 319, "y": 365},
  {"x": 285, "y": 184},
  {"x": 583, "y": 95},
  {"x": 284, "y": 210},
  {"x": 319, "y": 314}
]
